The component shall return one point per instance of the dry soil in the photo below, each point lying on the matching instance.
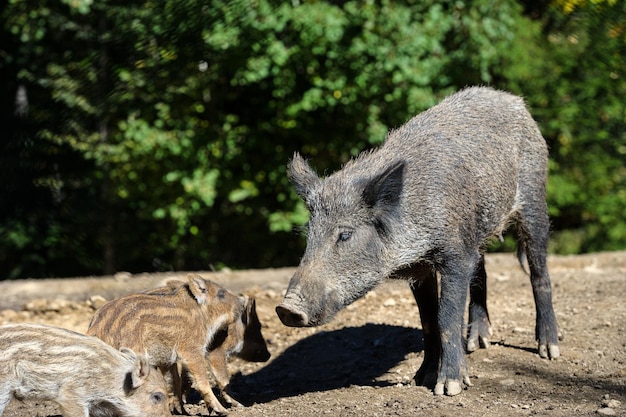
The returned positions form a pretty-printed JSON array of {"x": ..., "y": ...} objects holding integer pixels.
[{"x": 363, "y": 362}]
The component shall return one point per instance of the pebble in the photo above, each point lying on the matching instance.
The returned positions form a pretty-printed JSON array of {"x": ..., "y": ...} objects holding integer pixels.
[
  {"x": 96, "y": 301},
  {"x": 122, "y": 276},
  {"x": 606, "y": 402},
  {"x": 389, "y": 302},
  {"x": 606, "y": 411},
  {"x": 507, "y": 382},
  {"x": 371, "y": 294},
  {"x": 8, "y": 314},
  {"x": 37, "y": 305}
]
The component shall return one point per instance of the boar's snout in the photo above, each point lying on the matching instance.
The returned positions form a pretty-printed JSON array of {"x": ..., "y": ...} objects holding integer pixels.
[{"x": 291, "y": 316}]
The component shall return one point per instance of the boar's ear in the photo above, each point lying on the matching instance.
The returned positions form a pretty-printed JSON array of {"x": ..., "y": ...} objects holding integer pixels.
[
  {"x": 139, "y": 372},
  {"x": 302, "y": 176},
  {"x": 382, "y": 193},
  {"x": 199, "y": 288}
]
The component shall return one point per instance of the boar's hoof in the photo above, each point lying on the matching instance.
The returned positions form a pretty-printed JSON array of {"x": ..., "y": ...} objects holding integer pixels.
[
  {"x": 549, "y": 351},
  {"x": 451, "y": 388},
  {"x": 479, "y": 334},
  {"x": 291, "y": 317}
]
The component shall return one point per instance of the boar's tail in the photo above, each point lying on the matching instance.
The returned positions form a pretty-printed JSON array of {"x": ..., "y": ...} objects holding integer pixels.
[{"x": 521, "y": 256}]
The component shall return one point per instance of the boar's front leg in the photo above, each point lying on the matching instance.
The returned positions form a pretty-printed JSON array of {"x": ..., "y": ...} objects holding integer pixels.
[
  {"x": 425, "y": 291},
  {"x": 456, "y": 274},
  {"x": 479, "y": 331}
]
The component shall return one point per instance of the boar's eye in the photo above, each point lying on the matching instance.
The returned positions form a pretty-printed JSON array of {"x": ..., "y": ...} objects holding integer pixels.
[
  {"x": 157, "y": 397},
  {"x": 344, "y": 236}
]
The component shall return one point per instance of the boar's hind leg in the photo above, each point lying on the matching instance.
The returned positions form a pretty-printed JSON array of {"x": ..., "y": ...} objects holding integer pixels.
[
  {"x": 425, "y": 291},
  {"x": 533, "y": 227},
  {"x": 479, "y": 326}
]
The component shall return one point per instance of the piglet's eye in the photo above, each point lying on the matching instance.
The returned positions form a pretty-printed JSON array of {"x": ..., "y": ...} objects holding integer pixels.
[
  {"x": 157, "y": 397},
  {"x": 344, "y": 236}
]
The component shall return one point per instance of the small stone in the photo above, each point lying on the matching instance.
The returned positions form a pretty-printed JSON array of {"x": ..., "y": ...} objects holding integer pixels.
[
  {"x": 507, "y": 382},
  {"x": 24, "y": 316},
  {"x": 606, "y": 402},
  {"x": 606, "y": 411},
  {"x": 122, "y": 276},
  {"x": 96, "y": 301},
  {"x": 60, "y": 306},
  {"x": 38, "y": 305},
  {"x": 502, "y": 277},
  {"x": 8, "y": 314},
  {"x": 389, "y": 302}
]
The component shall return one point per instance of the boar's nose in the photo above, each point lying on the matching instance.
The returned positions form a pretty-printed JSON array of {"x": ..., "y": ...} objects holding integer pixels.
[{"x": 292, "y": 317}]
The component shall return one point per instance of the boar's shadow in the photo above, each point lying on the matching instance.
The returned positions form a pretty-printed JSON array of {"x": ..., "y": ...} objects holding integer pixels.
[{"x": 331, "y": 360}]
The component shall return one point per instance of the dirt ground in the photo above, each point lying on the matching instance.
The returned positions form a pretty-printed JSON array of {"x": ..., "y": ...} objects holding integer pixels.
[{"x": 363, "y": 362}]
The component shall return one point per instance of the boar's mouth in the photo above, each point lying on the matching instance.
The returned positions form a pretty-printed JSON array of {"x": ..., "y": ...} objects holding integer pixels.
[
  {"x": 292, "y": 317},
  {"x": 299, "y": 311}
]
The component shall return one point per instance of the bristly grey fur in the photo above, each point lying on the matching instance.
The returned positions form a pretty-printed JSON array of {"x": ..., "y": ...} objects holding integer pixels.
[{"x": 429, "y": 199}]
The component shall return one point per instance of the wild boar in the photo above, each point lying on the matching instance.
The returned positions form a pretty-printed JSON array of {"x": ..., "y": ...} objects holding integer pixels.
[
  {"x": 171, "y": 327},
  {"x": 242, "y": 338},
  {"x": 84, "y": 375},
  {"x": 428, "y": 201}
]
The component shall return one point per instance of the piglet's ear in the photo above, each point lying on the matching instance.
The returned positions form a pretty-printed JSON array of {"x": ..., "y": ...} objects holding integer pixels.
[
  {"x": 199, "y": 288},
  {"x": 138, "y": 373},
  {"x": 302, "y": 176},
  {"x": 382, "y": 192}
]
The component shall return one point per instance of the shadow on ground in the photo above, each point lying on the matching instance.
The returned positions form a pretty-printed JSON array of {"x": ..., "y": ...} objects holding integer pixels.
[{"x": 331, "y": 360}]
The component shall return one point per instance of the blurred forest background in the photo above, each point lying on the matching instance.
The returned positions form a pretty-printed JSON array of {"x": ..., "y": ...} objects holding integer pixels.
[{"x": 153, "y": 135}]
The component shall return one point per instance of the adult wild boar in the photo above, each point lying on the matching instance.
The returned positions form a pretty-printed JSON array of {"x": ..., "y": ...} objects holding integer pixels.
[{"x": 429, "y": 200}]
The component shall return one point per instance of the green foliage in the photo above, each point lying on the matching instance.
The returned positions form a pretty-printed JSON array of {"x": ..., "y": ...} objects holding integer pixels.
[
  {"x": 584, "y": 101},
  {"x": 156, "y": 137}
]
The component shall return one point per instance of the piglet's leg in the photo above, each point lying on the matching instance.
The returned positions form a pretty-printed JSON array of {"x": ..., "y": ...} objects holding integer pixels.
[
  {"x": 176, "y": 401},
  {"x": 219, "y": 367},
  {"x": 198, "y": 370},
  {"x": 5, "y": 395},
  {"x": 71, "y": 409}
]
